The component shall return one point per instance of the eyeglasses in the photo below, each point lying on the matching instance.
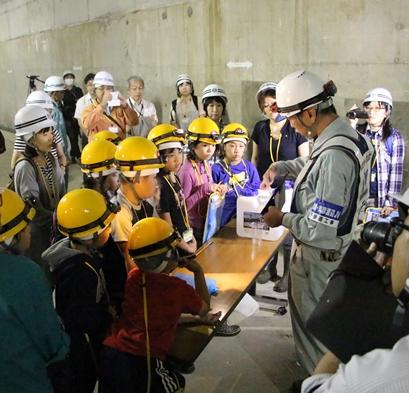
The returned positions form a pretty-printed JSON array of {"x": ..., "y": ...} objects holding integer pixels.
[{"x": 373, "y": 108}]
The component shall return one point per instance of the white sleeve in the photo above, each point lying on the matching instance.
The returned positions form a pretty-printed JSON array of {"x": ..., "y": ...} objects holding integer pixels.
[
  {"x": 121, "y": 225},
  {"x": 79, "y": 108}
]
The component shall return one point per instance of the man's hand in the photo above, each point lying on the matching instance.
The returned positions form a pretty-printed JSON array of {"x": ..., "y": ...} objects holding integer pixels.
[
  {"x": 274, "y": 217},
  {"x": 386, "y": 210},
  {"x": 105, "y": 98},
  {"x": 268, "y": 178}
]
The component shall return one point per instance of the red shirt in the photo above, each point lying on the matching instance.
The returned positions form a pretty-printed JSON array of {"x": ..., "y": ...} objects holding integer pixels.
[{"x": 167, "y": 298}]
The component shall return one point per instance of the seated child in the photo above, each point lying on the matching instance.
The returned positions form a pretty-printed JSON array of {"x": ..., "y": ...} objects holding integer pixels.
[
  {"x": 237, "y": 173},
  {"x": 134, "y": 356},
  {"x": 172, "y": 206}
]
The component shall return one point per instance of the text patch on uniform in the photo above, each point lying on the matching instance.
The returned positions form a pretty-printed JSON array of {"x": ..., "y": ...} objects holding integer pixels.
[{"x": 326, "y": 213}]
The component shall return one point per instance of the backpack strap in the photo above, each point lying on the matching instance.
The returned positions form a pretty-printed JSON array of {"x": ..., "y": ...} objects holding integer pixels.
[{"x": 195, "y": 102}]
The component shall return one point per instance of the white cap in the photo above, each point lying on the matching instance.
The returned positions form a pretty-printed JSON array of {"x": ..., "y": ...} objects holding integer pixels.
[
  {"x": 214, "y": 90},
  {"x": 143, "y": 172},
  {"x": 379, "y": 94},
  {"x": 40, "y": 98},
  {"x": 235, "y": 138},
  {"x": 103, "y": 78},
  {"x": 31, "y": 119},
  {"x": 170, "y": 145},
  {"x": 183, "y": 78},
  {"x": 301, "y": 90},
  {"x": 264, "y": 87},
  {"x": 54, "y": 83}
]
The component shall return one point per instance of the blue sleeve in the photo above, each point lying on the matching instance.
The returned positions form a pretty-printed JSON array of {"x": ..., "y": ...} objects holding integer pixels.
[
  {"x": 300, "y": 139},
  {"x": 219, "y": 175}
]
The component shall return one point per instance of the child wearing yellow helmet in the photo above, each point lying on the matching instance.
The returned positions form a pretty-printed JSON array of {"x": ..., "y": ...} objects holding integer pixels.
[
  {"x": 135, "y": 354},
  {"x": 28, "y": 320},
  {"x": 138, "y": 161},
  {"x": 172, "y": 205},
  {"x": 195, "y": 174},
  {"x": 84, "y": 217},
  {"x": 238, "y": 174}
]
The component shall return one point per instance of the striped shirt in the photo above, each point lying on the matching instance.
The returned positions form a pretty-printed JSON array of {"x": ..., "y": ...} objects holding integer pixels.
[
  {"x": 389, "y": 162},
  {"x": 20, "y": 143}
]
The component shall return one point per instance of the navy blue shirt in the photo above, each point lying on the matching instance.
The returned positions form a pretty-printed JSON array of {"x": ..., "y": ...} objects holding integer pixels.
[{"x": 290, "y": 140}]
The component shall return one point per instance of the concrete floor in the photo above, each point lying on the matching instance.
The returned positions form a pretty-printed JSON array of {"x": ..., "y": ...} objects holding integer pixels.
[{"x": 260, "y": 359}]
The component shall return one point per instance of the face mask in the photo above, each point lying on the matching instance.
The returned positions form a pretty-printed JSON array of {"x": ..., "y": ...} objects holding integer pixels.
[
  {"x": 69, "y": 82},
  {"x": 279, "y": 118}
]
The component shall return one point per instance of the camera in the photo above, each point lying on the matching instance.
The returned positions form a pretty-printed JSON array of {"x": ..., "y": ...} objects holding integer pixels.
[
  {"x": 383, "y": 234},
  {"x": 356, "y": 114}
]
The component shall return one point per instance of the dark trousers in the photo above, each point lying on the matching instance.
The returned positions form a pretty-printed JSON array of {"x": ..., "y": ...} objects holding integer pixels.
[
  {"x": 122, "y": 372},
  {"x": 73, "y": 131}
]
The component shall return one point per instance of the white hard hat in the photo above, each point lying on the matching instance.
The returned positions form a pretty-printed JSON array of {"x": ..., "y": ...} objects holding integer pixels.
[
  {"x": 40, "y": 98},
  {"x": 379, "y": 95},
  {"x": 301, "y": 90},
  {"x": 103, "y": 78},
  {"x": 214, "y": 90},
  {"x": 67, "y": 72},
  {"x": 183, "y": 78},
  {"x": 54, "y": 83},
  {"x": 31, "y": 119},
  {"x": 266, "y": 86}
]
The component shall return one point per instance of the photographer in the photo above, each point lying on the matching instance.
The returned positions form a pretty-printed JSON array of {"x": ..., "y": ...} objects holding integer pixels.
[{"x": 381, "y": 370}]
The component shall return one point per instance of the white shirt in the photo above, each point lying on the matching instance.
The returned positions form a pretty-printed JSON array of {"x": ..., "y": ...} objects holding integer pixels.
[
  {"x": 83, "y": 102},
  {"x": 144, "y": 108},
  {"x": 378, "y": 371}
]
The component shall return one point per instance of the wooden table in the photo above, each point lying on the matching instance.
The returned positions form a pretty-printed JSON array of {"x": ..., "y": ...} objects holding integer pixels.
[{"x": 234, "y": 262}]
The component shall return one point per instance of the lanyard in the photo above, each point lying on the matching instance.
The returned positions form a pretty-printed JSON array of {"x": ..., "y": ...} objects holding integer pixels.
[
  {"x": 140, "y": 113},
  {"x": 377, "y": 148},
  {"x": 198, "y": 174},
  {"x": 234, "y": 181},
  {"x": 277, "y": 150},
  {"x": 183, "y": 211}
]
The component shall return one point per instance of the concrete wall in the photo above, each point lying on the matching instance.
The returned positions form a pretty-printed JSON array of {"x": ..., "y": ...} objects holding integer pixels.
[{"x": 359, "y": 44}]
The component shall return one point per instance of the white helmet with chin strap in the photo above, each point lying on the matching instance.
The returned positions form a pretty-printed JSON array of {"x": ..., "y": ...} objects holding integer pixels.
[
  {"x": 54, "y": 83},
  {"x": 214, "y": 90},
  {"x": 379, "y": 94},
  {"x": 31, "y": 119},
  {"x": 302, "y": 90},
  {"x": 40, "y": 98},
  {"x": 103, "y": 78}
]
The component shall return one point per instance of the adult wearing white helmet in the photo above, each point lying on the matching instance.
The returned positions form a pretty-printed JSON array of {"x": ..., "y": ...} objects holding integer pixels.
[
  {"x": 54, "y": 86},
  {"x": 387, "y": 163},
  {"x": 214, "y": 100},
  {"x": 275, "y": 140},
  {"x": 37, "y": 176},
  {"x": 43, "y": 100},
  {"x": 186, "y": 107},
  {"x": 106, "y": 113},
  {"x": 330, "y": 189}
]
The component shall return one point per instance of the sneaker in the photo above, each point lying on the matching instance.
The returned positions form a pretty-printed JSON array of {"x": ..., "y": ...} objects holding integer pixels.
[{"x": 226, "y": 330}]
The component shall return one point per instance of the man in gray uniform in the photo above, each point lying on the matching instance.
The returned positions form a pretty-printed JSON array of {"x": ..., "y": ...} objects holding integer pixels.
[{"x": 330, "y": 189}]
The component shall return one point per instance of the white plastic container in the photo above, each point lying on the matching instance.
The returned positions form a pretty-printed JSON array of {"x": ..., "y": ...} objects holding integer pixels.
[{"x": 250, "y": 222}]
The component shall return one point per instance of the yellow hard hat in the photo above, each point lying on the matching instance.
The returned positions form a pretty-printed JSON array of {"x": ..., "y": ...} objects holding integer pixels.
[
  {"x": 166, "y": 136},
  {"x": 235, "y": 132},
  {"x": 107, "y": 136},
  {"x": 15, "y": 214},
  {"x": 98, "y": 156},
  {"x": 204, "y": 130},
  {"x": 150, "y": 237},
  {"x": 84, "y": 213},
  {"x": 137, "y": 154}
]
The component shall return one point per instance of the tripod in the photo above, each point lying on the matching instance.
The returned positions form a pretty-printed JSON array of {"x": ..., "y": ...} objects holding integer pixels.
[{"x": 31, "y": 83}]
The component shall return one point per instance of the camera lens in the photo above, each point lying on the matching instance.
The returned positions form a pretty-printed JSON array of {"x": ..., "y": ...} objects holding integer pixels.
[{"x": 377, "y": 232}]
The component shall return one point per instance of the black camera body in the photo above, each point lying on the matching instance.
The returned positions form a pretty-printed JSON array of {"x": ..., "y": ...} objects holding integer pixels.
[
  {"x": 383, "y": 234},
  {"x": 356, "y": 114}
]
